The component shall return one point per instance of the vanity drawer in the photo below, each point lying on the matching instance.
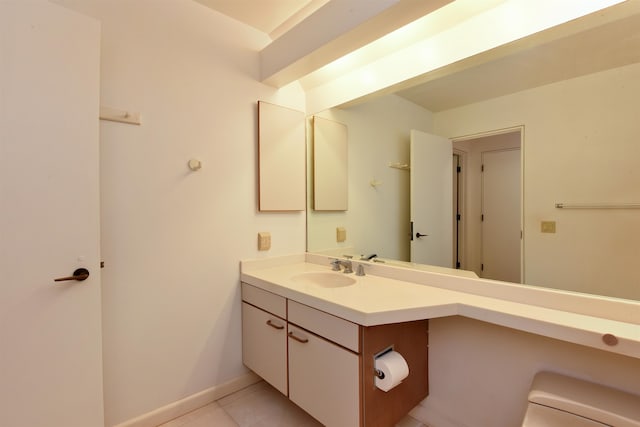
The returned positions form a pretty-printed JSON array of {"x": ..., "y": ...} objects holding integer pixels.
[
  {"x": 333, "y": 328},
  {"x": 274, "y": 304}
]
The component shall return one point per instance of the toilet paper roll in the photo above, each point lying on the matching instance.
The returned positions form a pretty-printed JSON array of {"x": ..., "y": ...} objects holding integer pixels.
[{"x": 393, "y": 367}]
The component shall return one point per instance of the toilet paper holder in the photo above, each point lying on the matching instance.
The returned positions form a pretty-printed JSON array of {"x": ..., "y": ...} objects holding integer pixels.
[{"x": 377, "y": 372}]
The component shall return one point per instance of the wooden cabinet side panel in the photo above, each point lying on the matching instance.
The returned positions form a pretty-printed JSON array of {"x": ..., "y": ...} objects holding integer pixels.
[{"x": 410, "y": 339}]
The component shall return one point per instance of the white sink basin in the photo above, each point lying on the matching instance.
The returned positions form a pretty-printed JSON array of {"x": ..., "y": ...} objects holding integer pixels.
[{"x": 325, "y": 279}]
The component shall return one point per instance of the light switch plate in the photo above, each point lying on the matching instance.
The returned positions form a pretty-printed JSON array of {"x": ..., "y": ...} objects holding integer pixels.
[
  {"x": 341, "y": 234},
  {"x": 264, "y": 241},
  {"x": 548, "y": 226}
]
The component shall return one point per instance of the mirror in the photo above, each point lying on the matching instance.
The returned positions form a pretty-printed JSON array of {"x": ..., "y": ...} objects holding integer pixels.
[
  {"x": 330, "y": 158},
  {"x": 574, "y": 95}
]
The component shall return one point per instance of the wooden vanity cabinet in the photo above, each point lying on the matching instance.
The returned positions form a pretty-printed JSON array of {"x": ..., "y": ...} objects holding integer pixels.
[
  {"x": 411, "y": 340},
  {"x": 325, "y": 364}
]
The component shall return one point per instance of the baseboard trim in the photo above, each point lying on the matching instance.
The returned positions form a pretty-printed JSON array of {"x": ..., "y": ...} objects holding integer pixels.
[{"x": 178, "y": 408}]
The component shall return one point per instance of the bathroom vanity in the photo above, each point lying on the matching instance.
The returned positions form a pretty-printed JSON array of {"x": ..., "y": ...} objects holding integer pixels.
[
  {"x": 325, "y": 364},
  {"x": 313, "y": 333}
]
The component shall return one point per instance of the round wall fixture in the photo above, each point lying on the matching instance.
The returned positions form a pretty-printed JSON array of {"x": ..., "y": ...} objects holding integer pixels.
[{"x": 194, "y": 164}]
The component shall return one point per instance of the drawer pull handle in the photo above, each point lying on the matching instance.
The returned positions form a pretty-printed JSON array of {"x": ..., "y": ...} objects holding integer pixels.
[
  {"x": 302, "y": 340},
  {"x": 273, "y": 325}
]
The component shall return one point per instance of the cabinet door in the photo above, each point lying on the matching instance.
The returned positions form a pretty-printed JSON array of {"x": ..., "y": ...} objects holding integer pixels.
[
  {"x": 264, "y": 346},
  {"x": 324, "y": 379}
]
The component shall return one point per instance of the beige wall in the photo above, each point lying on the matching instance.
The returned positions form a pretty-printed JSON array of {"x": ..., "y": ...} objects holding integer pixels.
[
  {"x": 171, "y": 238},
  {"x": 377, "y": 220},
  {"x": 480, "y": 373},
  {"x": 580, "y": 145}
]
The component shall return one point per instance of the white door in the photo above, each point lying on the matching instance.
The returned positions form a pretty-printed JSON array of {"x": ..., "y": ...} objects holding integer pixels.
[
  {"x": 431, "y": 199},
  {"x": 50, "y": 332},
  {"x": 501, "y": 215}
]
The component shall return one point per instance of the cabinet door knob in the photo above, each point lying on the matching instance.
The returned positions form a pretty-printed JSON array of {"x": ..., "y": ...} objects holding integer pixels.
[
  {"x": 274, "y": 325},
  {"x": 302, "y": 340}
]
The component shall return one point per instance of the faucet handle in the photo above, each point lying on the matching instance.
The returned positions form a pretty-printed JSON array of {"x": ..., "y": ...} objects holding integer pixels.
[
  {"x": 347, "y": 267},
  {"x": 360, "y": 270}
]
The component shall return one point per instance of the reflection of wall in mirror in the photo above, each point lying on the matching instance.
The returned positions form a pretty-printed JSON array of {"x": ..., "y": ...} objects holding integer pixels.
[
  {"x": 378, "y": 217},
  {"x": 580, "y": 146},
  {"x": 330, "y": 169}
]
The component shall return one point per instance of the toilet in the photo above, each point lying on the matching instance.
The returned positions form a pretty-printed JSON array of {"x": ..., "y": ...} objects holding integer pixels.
[{"x": 560, "y": 401}]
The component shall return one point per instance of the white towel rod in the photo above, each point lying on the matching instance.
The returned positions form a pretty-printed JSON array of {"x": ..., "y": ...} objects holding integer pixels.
[
  {"x": 114, "y": 115},
  {"x": 598, "y": 205},
  {"x": 401, "y": 166}
]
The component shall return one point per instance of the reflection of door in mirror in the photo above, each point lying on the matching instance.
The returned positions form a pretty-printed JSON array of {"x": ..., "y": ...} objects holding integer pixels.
[
  {"x": 492, "y": 198},
  {"x": 500, "y": 215},
  {"x": 431, "y": 198}
]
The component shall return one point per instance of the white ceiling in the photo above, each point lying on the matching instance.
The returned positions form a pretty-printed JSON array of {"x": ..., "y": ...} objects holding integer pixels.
[
  {"x": 273, "y": 17},
  {"x": 508, "y": 69},
  {"x": 527, "y": 64}
]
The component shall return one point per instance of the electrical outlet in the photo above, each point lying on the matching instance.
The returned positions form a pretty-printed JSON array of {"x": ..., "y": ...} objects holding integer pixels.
[
  {"x": 548, "y": 226},
  {"x": 264, "y": 241},
  {"x": 341, "y": 234}
]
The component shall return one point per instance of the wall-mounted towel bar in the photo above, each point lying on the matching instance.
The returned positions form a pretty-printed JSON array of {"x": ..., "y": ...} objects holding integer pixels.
[
  {"x": 113, "y": 115},
  {"x": 598, "y": 205},
  {"x": 401, "y": 166}
]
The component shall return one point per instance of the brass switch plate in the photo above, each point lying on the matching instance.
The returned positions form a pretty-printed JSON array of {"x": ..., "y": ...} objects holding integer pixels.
[
  {"x": 264, "y": 241},
  {"x": 341, "y": 234},
  {"x": 548, "y": 226}
]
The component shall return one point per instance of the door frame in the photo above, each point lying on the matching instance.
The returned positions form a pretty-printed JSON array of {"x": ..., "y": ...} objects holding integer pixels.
[
  {"x": 459, "y": 192},
  {"x": 513, "y": 129}
]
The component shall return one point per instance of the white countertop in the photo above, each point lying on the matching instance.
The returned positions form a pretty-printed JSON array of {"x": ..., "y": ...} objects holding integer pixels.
[{"x": 388, "y": 294}]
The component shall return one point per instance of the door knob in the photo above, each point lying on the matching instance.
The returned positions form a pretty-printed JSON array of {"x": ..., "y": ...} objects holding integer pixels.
[
  {"x": 418, "y": 235},
  {"x": 80, "y": 274}
]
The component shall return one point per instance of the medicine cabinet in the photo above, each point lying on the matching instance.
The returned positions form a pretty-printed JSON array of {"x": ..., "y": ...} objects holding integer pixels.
[{"x": 281, "y": 153}]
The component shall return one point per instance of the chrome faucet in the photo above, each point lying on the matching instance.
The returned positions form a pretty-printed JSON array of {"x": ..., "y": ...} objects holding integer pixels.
[{"x": 336, "y": 263}]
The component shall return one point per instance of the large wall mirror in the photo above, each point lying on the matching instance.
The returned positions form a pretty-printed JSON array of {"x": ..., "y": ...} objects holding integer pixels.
[{"x": 568, "y": 99}]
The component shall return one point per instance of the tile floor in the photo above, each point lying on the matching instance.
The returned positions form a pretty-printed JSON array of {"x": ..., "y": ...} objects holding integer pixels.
[{"x": 259, "y": 405}]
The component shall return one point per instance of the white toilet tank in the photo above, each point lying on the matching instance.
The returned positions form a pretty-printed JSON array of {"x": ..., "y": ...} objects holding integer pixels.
[{"x": 559, "y": 401}]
